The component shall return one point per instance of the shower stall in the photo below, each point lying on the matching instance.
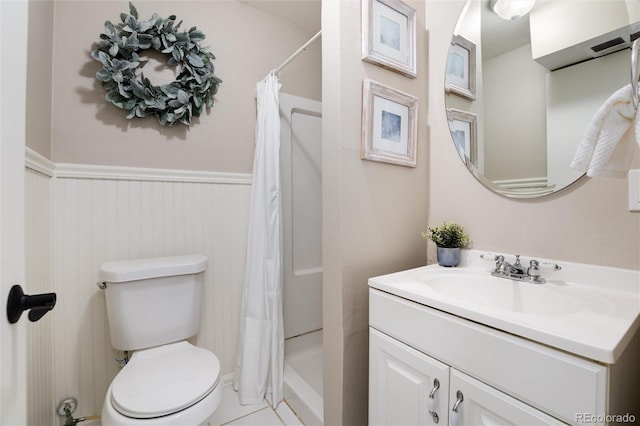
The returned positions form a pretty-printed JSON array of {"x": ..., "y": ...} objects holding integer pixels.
[{"x": 301, "y": 177}]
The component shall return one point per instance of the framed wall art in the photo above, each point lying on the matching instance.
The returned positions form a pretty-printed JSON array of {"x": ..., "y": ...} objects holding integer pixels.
[
  {"x": 460, "y": 76},
  {"x": 389, "y": 125},
  {"x": 389, "y": 35},
  {"x": 464, "y": 132}
]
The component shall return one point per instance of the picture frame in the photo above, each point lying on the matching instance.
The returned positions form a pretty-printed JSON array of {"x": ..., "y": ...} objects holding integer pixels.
[
  {"x": 389, "y": 125},
  {"x": 389, "y": 35},
  {"x": 460, "y": 75},
  {"x": 463, "y": 126}
]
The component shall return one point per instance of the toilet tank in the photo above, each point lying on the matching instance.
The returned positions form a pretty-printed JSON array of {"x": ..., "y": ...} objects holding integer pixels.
[{"x": 152, "y": 302}]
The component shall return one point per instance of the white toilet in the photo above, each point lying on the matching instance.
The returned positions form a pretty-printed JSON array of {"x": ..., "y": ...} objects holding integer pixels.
[{"x": 153, "y": 306}]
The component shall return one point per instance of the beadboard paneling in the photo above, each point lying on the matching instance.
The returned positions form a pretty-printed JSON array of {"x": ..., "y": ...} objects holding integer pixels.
[
  {"x": 40, "y": 401},
  {"x": 100, "y": 218}
]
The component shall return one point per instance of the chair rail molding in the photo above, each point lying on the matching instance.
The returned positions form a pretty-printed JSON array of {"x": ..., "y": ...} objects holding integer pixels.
[{"x": 39, "y": 163}]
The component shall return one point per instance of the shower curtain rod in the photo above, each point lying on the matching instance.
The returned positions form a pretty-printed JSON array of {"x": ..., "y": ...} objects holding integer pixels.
[{"x": 298, "y": 52}]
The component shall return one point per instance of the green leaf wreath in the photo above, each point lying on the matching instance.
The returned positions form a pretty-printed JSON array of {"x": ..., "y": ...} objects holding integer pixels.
[{"x": 171, "y": 103}]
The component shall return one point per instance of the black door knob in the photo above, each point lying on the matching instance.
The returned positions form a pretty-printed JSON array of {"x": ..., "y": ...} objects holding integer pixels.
[{"x": 38, "y": 304}]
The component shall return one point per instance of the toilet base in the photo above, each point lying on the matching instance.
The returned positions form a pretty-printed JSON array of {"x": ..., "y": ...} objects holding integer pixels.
[{"x": 199, "y": 413}]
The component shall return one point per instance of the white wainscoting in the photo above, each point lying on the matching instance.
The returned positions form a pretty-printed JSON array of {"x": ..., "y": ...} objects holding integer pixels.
[
  {"x": 40, "y": 401},
  {"x": 101, "y": 215}
]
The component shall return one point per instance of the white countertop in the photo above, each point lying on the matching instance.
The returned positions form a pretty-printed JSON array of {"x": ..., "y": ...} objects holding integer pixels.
[{"x": 590, "y": 311}]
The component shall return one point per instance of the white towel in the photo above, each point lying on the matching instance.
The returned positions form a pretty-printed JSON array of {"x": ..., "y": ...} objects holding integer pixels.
[{"x": 610, "y": 140}]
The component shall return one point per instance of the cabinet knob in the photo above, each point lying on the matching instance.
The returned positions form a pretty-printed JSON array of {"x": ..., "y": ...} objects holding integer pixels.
[{"x": 432, "y": 401}]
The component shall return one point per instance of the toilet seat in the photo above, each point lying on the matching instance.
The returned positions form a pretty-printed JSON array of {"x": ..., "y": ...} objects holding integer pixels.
[{"x": 163, "y": 380}]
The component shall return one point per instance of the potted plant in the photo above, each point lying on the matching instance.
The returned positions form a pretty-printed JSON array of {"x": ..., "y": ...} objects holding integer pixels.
[{"x": 449, "y": 238}]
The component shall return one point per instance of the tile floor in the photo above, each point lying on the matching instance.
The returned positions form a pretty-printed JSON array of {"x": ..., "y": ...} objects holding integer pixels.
[{"x": 231, "y": 413}]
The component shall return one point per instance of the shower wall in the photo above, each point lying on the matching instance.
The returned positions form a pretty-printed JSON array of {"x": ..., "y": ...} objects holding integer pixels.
[{"x": 301, "y": 172}]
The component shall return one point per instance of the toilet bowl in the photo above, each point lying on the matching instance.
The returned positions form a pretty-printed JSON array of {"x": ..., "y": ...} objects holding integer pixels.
[
  {"x": 174, "y": 384},
  {"x": 153, "y": 306}
]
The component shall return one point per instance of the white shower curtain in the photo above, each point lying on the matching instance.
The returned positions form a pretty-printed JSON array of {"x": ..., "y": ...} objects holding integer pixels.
[{"x": 260, "y": 362}]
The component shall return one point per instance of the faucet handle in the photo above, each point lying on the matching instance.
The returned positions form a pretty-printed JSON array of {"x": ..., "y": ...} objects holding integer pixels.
[
  {"x": 550, "y": 265},
  {"x": 489, "y": 256},
  {"x": 535, "y": 265},
  {"x": 533, "y": 272}
]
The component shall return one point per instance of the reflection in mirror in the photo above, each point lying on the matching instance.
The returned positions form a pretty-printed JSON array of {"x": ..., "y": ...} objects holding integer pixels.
[{"x": 537, "y": 81}]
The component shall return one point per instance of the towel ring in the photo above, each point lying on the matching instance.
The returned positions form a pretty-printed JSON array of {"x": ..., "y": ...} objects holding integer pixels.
[{"x": 635, "y": 71}]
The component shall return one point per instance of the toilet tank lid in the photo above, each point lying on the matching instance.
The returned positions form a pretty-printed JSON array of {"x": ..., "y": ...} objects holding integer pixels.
[{"x": 140, "y": 269}]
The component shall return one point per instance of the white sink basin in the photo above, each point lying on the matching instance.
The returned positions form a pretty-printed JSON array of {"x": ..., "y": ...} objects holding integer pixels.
[
  {"x": 591, "y": 311},
  {"x": 501, "y": 294}
]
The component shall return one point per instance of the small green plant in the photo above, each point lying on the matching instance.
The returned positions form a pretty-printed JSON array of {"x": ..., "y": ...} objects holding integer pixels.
[{"x": 448, "y": 235}]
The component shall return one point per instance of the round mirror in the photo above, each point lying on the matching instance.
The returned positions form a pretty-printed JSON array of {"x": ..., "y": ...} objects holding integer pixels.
[{"x": 521, "y": 92}]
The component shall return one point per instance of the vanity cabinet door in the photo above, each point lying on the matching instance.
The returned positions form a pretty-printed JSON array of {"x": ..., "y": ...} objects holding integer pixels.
[
  {"x": 406, "y": 387},
  {"x": 473, "y": 403}
]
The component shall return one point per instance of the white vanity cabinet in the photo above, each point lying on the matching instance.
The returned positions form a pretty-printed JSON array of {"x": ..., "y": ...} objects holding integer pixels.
[
  {"x": 479, "y": 404},
  {"x": 503, "y": 378},
  {"x": 407, "y": 387}
]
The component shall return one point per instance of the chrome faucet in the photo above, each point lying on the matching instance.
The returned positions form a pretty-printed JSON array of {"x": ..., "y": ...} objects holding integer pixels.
[
  {"x": 516, "y": 271},
  {"x": 504, "y": 268}
]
